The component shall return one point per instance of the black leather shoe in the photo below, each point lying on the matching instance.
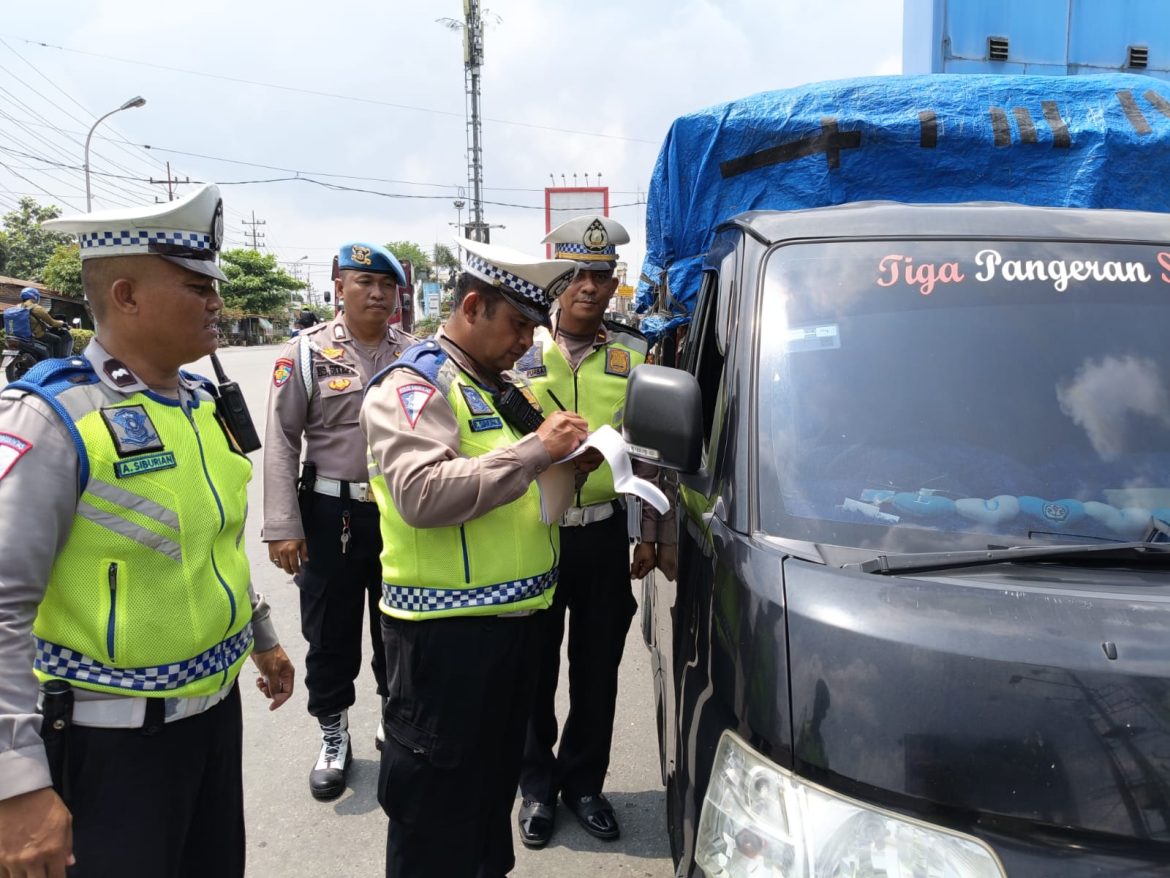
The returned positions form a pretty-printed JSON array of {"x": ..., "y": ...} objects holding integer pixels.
[
  {"x": 595, "y": 814},
  {"x": 536, "y": 821}
]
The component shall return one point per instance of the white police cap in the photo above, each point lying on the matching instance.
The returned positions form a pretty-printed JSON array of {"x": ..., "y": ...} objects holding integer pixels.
[
  {"x": 590, "y": 240},
  {"x": 529, "y": 284},
  {"x": 187, "y": 232}
]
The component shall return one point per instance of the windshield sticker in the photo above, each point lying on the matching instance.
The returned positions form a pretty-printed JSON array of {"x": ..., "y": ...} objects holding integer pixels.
[
  {"x": 989, "y": 265},
  {"x": 814, "y": 338}
]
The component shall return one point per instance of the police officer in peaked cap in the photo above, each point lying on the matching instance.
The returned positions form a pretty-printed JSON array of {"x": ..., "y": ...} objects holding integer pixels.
[
  {"x": 326, "y": 533},
  {"x": 467, "y": 565},
  {"x": 135, "y": 601},
  {"x": 583, "y": 363}
]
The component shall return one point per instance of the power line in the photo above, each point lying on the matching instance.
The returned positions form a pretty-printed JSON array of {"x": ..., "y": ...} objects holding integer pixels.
[
  {"x": 85, "y": 109},
  {"x": 51, "y": 103},
  {"x": 326, "y": 94}
]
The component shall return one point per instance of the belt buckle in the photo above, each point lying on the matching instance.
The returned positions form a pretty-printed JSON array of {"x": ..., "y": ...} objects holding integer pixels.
[{"x": 574, "y": 516}]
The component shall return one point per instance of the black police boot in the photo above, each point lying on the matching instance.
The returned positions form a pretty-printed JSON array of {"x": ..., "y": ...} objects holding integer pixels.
[
  {"x": 380, "y": 735},
  {"x": 327, "y": 779}
]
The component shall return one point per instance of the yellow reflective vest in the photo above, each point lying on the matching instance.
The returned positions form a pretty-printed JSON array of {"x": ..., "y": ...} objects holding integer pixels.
[
  {"x": 503, "y": 561},
  {"x": 596, "y": 389},
  {"x": 149, "y": 596}
]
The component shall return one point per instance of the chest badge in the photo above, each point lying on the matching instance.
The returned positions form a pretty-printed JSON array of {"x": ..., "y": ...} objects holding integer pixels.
[
  {"x": 131, "y": 429},
  {"x": 476, "y": 404},
  {"x": 332, "y": 353},
  {"x": 339, "y": 384},
  {"x": 617, "y": 362}
]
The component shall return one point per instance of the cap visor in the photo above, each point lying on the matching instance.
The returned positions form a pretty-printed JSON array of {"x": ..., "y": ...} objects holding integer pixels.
[
  {"x": 199, "y": 266},
  {"x": 530, "y": 311}
]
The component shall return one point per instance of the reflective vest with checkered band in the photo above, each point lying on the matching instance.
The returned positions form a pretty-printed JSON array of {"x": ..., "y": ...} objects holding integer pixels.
[
  {"x": 501, "y": 562},
  {"x": 596, "y": 390},
  {"x": 149, "y": 595}
]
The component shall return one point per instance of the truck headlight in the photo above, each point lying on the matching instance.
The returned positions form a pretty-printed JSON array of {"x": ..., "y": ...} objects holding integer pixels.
[{"x": 762, "y": 821}]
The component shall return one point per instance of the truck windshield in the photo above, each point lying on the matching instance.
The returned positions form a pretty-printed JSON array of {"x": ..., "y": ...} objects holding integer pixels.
[{"x": 926, "y": 395}]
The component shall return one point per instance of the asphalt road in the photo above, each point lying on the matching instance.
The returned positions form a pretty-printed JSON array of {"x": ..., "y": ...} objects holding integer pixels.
[{"x": 291, "y": 835}]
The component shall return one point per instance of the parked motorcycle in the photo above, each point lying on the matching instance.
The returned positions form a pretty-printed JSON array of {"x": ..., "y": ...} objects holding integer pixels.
[{"x": 21, "y": 354}]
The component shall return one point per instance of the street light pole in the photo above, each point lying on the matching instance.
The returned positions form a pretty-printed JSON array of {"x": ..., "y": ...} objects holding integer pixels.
[{"x": 130, "y": 104}]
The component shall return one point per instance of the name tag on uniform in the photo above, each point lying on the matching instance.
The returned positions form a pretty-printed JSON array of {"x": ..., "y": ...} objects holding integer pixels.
[
  {"x": 617, "y": 362},
  {"x": 478, "y": 425},
  {"x": 144, "y": 463},
  {"x": 476, "y": 404}
]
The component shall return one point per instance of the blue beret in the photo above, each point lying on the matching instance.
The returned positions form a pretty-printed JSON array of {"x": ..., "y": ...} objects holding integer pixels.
[{"x": 356, "y": 256}]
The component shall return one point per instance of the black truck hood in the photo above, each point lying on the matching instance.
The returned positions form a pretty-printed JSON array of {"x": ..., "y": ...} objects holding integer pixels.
[{"x": 1014, "y": 693}]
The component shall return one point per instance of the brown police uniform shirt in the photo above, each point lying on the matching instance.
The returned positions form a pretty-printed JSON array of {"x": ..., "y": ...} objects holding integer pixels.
[
  {"x": 325, "y": 423},
  {"x": 655, "y": 528},
  {"x": 431, "y": 483}
]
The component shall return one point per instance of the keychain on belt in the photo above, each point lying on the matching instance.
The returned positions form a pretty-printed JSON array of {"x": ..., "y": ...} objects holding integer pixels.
[{"x": 344, "y": 517}]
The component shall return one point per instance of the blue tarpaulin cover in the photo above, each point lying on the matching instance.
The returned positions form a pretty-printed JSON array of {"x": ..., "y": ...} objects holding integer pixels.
[{"x": 1056, "y": 141}]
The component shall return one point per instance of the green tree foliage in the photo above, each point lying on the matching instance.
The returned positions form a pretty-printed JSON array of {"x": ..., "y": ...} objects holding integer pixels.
[
  {"x": 28, "y": 246},
  {"x": 408, "y": 250},
  {"x": 444, "y": 258},
  {"x": 63, "y": 271},
  {"x": 256, "y": 284}
]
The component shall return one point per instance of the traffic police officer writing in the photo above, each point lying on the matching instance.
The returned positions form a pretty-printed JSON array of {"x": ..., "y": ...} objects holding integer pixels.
[
  {"x": 136, "y": 591},
  {"x": 466, "y": 560},
  {"x": 326, "y": 534},
  {"x": 583, "y": 363}
]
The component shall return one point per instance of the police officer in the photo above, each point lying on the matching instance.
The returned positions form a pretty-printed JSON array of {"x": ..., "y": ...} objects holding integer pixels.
[
  {"x": 327, "y": 537},
  {"x": 466, "y": 562},
  {"x": 137, "y": 590},
  {"x": 583, "y": 363}
]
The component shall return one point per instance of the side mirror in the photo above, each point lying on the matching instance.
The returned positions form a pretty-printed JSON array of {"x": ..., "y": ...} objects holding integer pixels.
[
  {"x": 664, "y": 418},
  {"x": 328, "y": 296}
]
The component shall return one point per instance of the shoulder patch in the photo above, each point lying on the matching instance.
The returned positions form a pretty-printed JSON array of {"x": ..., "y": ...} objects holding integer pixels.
[
  {"x": 414, "y": 398},
  {"x": 131, "y": 429},
  {"x": 12, "y": 449},
  {"x": 617, "y": 362},
  {"x": 282, "y": 371},
  {"x": 475, "y": 401}
]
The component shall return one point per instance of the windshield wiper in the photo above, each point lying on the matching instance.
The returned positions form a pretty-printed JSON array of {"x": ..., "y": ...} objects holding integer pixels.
[{"x": 886, "y": 565}]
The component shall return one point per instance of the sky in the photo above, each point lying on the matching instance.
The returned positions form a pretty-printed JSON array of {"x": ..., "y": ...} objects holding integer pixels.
[{"x": 362, "y": 105}]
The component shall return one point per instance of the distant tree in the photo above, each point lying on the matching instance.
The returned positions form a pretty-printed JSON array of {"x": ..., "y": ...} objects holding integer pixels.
[
  {"x": 256, "y": 284},
  {"x": 444, "y": 258},
  {"x": 408, "y": 250},
  {"x": 29, "y": 246},
  {"x": 63, "y": 271}
]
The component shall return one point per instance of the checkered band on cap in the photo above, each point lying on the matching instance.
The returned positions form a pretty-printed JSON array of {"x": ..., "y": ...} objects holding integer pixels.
[
  {"x": 60, "y": 661},
  {"x": 143, "y": 239},
  {"x": 582, "y": 250},
  {"x": 498, "y": 276},
  {"x": 429, "y": 600}
]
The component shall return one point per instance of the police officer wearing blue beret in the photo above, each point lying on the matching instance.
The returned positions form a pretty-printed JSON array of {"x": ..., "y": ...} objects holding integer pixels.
[{"x": 323, "y": 527}]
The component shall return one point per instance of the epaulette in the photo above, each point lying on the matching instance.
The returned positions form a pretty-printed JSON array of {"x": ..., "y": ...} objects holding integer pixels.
[
  {"x": 204, "y": 383},
  {"x": 49, "y": 377},
  {"x": 618, "y": 326},
  {"x": 633, "y": 338},
  {"x": 426, "y": 358},
  {"x": 314, "y": 329}
]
